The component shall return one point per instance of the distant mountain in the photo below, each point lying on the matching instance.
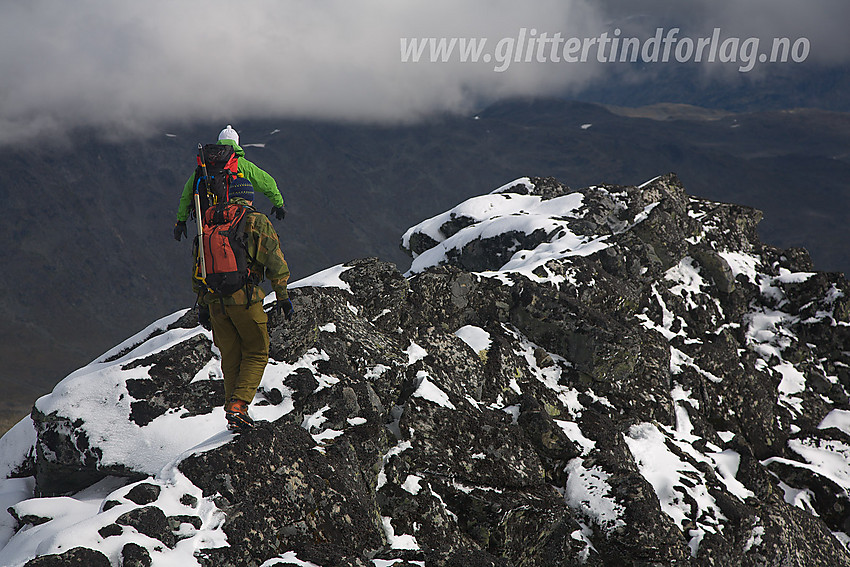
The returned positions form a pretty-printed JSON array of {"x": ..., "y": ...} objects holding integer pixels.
[
  {"x": 776, "y": 86},
  {"x": 607, "y": 376},
  {"x": 92, "y": 258}
]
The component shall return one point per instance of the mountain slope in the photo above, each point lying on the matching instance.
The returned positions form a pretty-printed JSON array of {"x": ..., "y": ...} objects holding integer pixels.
[
  {"x": 92, "y": 258},
  {"x": 606, "y": 376}
]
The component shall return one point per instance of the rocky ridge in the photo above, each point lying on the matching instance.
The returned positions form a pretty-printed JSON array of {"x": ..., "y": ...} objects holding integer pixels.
[{"x": 602, "y": 376}]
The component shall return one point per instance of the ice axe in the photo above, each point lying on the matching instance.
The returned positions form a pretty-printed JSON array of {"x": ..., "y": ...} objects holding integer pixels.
[{"x": 202, "y": 263}]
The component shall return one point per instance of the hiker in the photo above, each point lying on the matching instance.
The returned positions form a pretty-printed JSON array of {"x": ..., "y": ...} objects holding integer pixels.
[
  {"x": 258, "y": 178},
  {"x": 238, "y": 322}
]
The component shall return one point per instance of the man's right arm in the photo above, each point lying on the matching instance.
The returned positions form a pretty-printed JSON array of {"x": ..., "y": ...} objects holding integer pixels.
[
  {"x": 267, "y": 253},
  {"x": 186, "y": 199},
  {"x": 261, "y": 181}
]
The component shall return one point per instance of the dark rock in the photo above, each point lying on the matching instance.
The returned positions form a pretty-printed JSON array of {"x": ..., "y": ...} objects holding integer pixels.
[
  {"x": 110, "y": 530},
  {"x": 716, "y": 268},
  {"x": 143, "y": 493},
  {"x": 176, "y": 521},
  {"x": 65, "y": 459},
  {"x": 455, "y": 224},
  {"x": 552, "y": 445},
  {"x": 379, "y": 289},
  {"x": 493, "y": 253},
  {"x": 475, "y": 446},
  {"x": 77, "y": 557},
  {"x": 477, "y": 558},
  {"x": 273, "y": 396},
  {"x": 170, "y": 385},
  {"x": 420, "y": 242},
  {"x": 134, "y": 555},
  {"x": 150, "y": 521},
  {"x": 279, "y": 494},
  {"x": 26, "y": 519},
  {"x": 189, "y": 500}
]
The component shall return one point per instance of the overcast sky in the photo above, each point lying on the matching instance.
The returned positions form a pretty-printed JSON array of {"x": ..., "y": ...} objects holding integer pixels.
[{"x": 132, "y": 66}]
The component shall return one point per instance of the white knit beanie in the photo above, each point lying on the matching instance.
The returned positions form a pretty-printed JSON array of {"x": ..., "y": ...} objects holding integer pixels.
[{"x": 229, "y": 134}]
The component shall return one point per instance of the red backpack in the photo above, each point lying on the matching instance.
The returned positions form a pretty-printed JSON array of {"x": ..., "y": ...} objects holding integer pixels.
[{"x": 226, "y": 250}]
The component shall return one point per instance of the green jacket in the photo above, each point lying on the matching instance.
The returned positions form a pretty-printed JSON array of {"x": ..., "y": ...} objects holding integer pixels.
[
  {"x": 262, "y": 182},
  {"x": 264, "y": 248}
]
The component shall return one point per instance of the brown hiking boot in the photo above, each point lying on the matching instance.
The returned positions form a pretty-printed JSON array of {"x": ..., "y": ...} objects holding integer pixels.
[{"x": 236, "y": 412}]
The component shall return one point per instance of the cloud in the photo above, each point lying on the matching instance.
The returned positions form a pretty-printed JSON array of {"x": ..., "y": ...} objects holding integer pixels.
[
  {"x": 822, "y": 22},
  {"x": 128, "y": 67}
]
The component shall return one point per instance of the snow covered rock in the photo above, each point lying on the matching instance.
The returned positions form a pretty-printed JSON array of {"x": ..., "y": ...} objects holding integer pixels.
[{"x": 602, "y": 376}]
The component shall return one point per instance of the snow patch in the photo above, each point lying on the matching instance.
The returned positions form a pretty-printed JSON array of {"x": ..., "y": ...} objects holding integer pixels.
[
  {"x": 588, "y": 490},
  {"x": 75, "y": 520},
  {"x": 840, "y": 419},
  {"x": 673, "y": 477},
  {"x": 288, "y": 558},
  {"x": 427, "y": 390},
  {"x": 415, "y": 353},
  {"x": 504, "y": 213},
  {"x": 476, "y": 337},
  {"x": 397, "y": 541},
  {"x": 326, "y": 278}
]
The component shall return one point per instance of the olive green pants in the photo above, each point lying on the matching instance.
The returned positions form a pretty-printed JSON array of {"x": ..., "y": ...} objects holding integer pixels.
[{"x": 242, "y": 336}]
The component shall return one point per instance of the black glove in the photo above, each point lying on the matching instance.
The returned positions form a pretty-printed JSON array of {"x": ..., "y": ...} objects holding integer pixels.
[
  {"x": 204, "y": 317},
  {"x": 278, "y": 212},
  {"x": 281, "y": 307},
  {"x": 180, "y": 230}
]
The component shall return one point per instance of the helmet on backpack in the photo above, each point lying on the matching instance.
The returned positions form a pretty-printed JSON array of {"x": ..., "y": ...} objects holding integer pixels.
[{"x": 229, "y": 134}]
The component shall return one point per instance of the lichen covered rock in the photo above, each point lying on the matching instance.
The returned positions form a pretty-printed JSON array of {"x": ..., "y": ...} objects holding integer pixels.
[{"x": 603, "y": 376}]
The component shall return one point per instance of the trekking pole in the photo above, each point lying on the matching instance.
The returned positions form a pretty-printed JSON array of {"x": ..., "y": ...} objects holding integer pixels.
[{"x": 203, "y": 264}]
